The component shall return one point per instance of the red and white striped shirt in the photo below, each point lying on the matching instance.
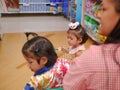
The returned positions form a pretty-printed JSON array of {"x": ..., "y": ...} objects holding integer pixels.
[{"x": 95, "y": 69}]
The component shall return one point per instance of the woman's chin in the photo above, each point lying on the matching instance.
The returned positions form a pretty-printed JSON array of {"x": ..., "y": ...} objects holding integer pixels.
[{"x": 101, "y": 30}]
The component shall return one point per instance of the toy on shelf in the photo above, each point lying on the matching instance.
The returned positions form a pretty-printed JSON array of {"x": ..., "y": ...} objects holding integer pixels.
[
  {"x": 91, "y": 23},
  {"x": 88, "y": 7},
  {"x": 12, "y": 5},
  {"x": 101, "y": 37},
  {"x": 96, "y": 9}
]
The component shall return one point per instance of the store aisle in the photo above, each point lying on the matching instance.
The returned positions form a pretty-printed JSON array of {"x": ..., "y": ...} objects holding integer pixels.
[{"x": 33, "y": 24}]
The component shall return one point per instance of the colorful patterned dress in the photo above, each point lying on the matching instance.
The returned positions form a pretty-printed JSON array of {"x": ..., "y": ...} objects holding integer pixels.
[{"x": 50, "y": 79}]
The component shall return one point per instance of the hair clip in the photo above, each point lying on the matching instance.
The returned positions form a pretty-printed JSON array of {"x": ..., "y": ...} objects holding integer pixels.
[{"x": 73, "y": 25}]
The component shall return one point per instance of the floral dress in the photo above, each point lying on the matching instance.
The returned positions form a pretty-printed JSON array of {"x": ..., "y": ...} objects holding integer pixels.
[{"x": 50, "y": 79}]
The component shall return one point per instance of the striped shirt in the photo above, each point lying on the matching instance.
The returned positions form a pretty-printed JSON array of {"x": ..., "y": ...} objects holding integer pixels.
[{"x": 96, "y": 69}]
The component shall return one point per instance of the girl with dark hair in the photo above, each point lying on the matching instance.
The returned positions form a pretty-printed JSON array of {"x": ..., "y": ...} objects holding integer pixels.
[
  {"x": 76, "y": 37},
  {"x": 42, "y": 59},
  {"x": 98, "y": 68}
]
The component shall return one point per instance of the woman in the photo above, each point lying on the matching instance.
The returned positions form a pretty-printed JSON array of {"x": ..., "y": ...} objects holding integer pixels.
[{"x": 98, "y": 68}]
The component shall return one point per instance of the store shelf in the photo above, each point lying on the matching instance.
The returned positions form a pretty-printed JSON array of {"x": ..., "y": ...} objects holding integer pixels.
[
  {"x": 29, "y": 6},
  {"x": 72, "y": 7},
  {"x": 93, "y": 35},
  {"x": 90, "y": 21},
  {"x": 36, "y": 12},
  {"x": 51, "y": 3},
  {"x": 66, "y": 8},
  {"x": 93, "y": 17}
]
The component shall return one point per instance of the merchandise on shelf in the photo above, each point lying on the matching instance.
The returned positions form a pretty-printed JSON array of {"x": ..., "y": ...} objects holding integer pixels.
[
  {"x": 66, "y": 7},
  {"x": 31, "y": 6},
  {"x": 1, "y": 7},
  {"x": 88, "y": 7},
  {"x": 12, "y": 5},
  {"x": 91, "y": 21},
  {"x": 57, "y": 5},
  {"x": 92, "y": 8},
  {"x": 79, "y": 10},
  {"x": 101, "y": 37},
  {"x": 72, "y": 10},
  {"x": 41, "y": 6},
  {"x": 96, "y": 8}
]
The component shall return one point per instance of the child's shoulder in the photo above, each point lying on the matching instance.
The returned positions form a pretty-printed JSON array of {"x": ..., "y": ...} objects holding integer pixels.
[
  {"x": 62, "y": 64},
  {"x": 62, "y": 61}
]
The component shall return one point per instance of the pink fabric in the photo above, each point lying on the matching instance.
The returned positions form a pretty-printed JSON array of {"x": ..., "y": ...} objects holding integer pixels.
[
  {"x": 75, "y": 50},
  {"x": 95, "y": 69}
]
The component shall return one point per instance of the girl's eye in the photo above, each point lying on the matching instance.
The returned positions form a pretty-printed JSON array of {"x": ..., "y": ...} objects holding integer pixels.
[
  {"x": 71, "y": 38},
  {"x": 103, "y": 9}
]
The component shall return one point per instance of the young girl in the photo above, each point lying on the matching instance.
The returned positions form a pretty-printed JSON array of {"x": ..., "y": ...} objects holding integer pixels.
[
  {"x": 42, "y": 59},
  {"x": 76, "y": 37}
]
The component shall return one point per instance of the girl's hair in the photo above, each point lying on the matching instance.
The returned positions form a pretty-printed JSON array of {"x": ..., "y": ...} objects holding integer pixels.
[
  {"x": 40, "y": 47},
  {"x": 114, "y": 36},
  {"x": 79, "y": 32}
]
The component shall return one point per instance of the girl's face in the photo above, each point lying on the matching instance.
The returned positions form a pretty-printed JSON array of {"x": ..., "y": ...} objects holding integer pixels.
[
  {"x": 108, "y": 17},
  {"x": 72, "y": 40},
  {"x": 32, "y": 63}
]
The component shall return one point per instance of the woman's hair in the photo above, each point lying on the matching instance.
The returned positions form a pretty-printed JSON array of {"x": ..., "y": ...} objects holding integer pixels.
[
  {"x": 79, "y": 32},
  {"x": 114, "y": 36},
  {"x": 117, "y": 5},
  {"x": 40, "y": 47}
]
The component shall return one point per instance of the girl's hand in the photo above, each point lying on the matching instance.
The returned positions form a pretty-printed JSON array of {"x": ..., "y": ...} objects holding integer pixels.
[{"x": 64, "y": 49}]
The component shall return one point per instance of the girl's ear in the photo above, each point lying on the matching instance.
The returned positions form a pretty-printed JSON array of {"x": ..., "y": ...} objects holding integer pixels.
[
  {"x": 79, "y": 40},
  {"x": 43, "y": 60}
]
